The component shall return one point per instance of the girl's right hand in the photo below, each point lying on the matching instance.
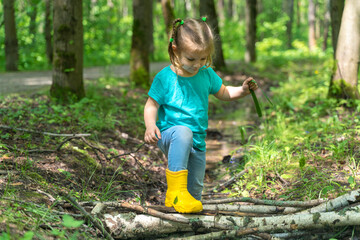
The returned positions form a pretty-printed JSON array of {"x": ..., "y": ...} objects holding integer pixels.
[{"x": 152, "y": 134}]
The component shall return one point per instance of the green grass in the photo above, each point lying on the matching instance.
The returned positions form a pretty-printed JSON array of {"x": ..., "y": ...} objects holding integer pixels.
[{"x": 306, "y": 139}]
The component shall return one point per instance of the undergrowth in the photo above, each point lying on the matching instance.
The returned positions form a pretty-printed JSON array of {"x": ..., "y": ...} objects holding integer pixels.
[{"x": 307, "y": 145}]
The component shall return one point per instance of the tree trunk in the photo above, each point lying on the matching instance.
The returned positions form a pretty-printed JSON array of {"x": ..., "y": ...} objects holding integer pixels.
[
  {"x": 298, "y": 14},
  {"x": 168, "y": 14},
  {"x": 344, "y": 82},
  {"x": 250, "y": 15},
  {"x": 289, "y": 9},
  {"x": 47, "y": 31},
  {"x": 68, "y": 51},
  {"x": 336, "y": 11},
  {"x": 139, "y": 59},
  {"x": 11, "y": 41},
  {"x": 207, "y": 8},
  {"x": 326, "y": 24},
  {"x": 312, "y": 21},
  {"x": 221, "y": 11},
  {"x": 32, "y": 15},
  {"x": 230, "y": 9}
]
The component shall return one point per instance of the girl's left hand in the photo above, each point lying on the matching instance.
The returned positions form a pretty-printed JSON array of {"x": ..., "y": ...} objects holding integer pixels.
[{"x": 248, "y": 84}]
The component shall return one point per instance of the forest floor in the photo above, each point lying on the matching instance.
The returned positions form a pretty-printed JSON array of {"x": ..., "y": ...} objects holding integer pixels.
[{"x": 113, "y": 165}]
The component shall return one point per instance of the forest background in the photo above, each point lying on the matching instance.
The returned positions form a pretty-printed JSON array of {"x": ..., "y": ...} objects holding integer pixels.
[{"x": 305, "y": 147}]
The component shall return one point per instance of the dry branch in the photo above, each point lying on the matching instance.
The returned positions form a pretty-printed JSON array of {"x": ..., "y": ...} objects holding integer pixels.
[
  {"x": 229, "y": 182},
  {"x": 304, "y": 204},
  {"x": 46, "y": 133}
]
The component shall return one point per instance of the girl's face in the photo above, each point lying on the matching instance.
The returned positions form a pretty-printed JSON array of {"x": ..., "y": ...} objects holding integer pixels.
[{"x": 191, "y": 61}]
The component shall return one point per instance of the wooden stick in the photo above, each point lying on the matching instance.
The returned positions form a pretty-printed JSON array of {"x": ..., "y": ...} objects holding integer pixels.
[
  {"x": 229, "y": 182},
  {"x": 46, "y": 133}
]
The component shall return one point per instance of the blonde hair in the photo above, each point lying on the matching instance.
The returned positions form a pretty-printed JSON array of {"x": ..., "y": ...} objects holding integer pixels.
[{"x": 197, "y": 31}]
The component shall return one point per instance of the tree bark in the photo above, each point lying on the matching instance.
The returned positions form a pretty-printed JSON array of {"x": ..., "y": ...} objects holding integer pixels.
[
  {"x": 32, "y": 15},
  {"x": 47, "y": 31},
  {"x": 168, "y": 14},
  {"x": 230, "y": 9},
  {"x": 289, "y": 9},
  {"x": 336, "y": 11},
  {"x": 207, "y": 8},
  {"x": 327, "y": 20},
  {"x": 139, "y": 59},
  {"x": 250, "y": 15},
  {"x": 68, "y": 51},
  {"x": 128, "y": 225},
  {"x": 11, "y": 41},
  {"x": 312, "y": 21},
  {"x": 344, "y": 82}
]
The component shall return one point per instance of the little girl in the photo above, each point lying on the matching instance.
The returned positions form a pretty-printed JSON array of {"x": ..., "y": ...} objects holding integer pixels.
[{"x": 179, "y": 98}]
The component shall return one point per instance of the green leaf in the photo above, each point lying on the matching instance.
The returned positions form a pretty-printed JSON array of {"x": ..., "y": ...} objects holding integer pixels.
[
  {"x": 28, "y": 236},
  {"x": 351, "y": 180},
  {"x": 70, "y": 222},
  {"x": 257, "y": 105},
  {"x": 287, "y": 176},
  {"x": 176, "y": 200}
]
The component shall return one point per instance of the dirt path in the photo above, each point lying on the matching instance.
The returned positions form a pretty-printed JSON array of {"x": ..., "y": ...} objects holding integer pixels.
[{"x": 15, "y": 82}]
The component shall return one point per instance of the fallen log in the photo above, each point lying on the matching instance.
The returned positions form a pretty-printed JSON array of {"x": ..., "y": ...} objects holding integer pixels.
[
  {"x": 131, "y": 226},
  {"x": 336, "y": 203}
]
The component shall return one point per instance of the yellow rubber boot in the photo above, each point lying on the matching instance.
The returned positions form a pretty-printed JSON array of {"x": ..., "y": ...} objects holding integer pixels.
[{"x": 177, "y": 195}]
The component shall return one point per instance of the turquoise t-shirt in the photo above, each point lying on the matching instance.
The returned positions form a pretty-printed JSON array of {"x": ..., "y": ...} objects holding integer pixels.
[{"x": 184, "y": 101}]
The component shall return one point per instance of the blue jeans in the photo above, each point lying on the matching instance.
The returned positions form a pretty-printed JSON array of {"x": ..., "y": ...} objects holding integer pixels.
[{"x": 177, "y": 144}]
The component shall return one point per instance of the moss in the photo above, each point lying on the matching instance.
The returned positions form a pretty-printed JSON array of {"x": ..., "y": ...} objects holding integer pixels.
[
  {"x": 37, "y": 177},
  {"x": 83, "y": 159},
  {"x": 63, "y": 29},
  {"x": 66, "y": 94},
  {"x": 140, "y": 77},
  {"x": 340, "y": 89},
  {"x": 316, "y": 217}
]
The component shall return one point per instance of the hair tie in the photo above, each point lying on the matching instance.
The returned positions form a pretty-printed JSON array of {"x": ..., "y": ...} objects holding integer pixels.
[
  {"x": 171, "y": 40},
  {"x": 203, "y": 19}
]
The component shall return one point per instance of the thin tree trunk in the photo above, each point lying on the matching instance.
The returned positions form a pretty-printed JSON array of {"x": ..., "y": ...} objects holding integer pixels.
[
  {"x": 221, "y": 11},
  {"x": 47, "y": 31},
  {"x": 298, "y": 14},
  {"x": 326, "y": 24},
  {"x": 312, "y": 21},
  {"x": 139, "y": 59},
  {"x": 289, "y": 9},
  {"x": 250, "y": 54},
  {"x": 230, "y": 9},
  {"x": 207, "y": 8},
  {"x": 336, "y": 12},
  {"x": 11, "y": 41},
  {"x": 345, "y": 79},
  {"x": 168, "y": 14},
  {"x": 68, "y": 50},
  {"x": 32, "y": 15}
]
